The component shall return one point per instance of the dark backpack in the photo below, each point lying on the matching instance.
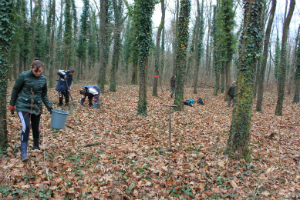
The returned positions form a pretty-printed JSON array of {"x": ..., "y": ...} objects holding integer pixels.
[{"x": 200, "y": 101}]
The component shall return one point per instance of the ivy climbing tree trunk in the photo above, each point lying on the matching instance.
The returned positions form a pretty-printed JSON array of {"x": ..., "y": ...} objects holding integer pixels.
[
  {"x": 297, "y": 73},
  {"x": 52, "y": 44},
  {"x": 174, "y": 42},
  {"x": 144, "y": 16},
  {"x": 67, "y": 35},
  {"x": 182, "y": 43},
  {"x": 282, "y": 68},
  {"x": 103, "y": 11},
  {"x": 157, "y": 51},
  {"x": 262, "y": 71},
  {"x": 115, "y": 61},
  {"x": 5, "y": 38},
  {"x": 227, "y": 39},
  {"x": 239, "y": 136}
]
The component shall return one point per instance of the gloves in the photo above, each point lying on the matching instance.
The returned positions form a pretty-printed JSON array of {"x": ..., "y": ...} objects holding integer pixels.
[
  {"x": 12, "y": 109},
  {"x": 95, "y": 100},
  {"x": 50, "y": 110}
]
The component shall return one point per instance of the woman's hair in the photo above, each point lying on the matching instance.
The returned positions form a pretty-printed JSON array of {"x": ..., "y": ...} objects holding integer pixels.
[{"x": 36, "y": 64}]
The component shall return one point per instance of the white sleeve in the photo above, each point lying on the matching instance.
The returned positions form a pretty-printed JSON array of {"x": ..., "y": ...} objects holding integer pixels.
[
  {"x": 93, "y": 91},
  {"x": 62, "y": 72}
]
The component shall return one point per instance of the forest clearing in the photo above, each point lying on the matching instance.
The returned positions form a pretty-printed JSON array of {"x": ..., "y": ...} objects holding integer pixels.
[{"x": 113, "y": 153}]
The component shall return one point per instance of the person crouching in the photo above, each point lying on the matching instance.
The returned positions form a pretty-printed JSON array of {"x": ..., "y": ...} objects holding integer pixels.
[{"x": 90, "y": 91}]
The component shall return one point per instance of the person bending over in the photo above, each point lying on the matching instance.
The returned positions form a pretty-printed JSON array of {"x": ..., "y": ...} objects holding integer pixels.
[{"x": 90, "y": 91}]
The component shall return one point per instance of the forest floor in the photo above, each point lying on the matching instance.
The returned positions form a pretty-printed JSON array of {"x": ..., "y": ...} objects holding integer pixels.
[{"x": 112, "y": 153}]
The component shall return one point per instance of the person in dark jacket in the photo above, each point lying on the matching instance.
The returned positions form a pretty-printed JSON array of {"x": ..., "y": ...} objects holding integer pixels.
[
  {"x": 230, "y": 93},
  {"x": 64, "y": 85},
  {"x": 90, "y": 91},
  {"x": 172, "y": 81},
  {"x": 28, "y": 93}
]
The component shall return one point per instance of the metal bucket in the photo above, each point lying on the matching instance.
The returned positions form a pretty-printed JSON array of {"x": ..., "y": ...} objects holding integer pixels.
[
  {"x": 59, "y": 118},
  {"x": 97, "y": 104}
]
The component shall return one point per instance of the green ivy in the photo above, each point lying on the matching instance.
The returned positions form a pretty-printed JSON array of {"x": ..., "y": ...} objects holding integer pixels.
[
  {"x": 5, "y": 39},
  {"x": 250, "y": 41},
  {"x": 181, "y": 50},
  {"x": 144, "y": 15}
]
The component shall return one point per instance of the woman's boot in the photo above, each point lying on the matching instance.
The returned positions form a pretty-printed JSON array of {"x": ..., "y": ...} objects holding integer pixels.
[
  {"x": 36, "y": 143},
  {"x": 24, "y": 156}
]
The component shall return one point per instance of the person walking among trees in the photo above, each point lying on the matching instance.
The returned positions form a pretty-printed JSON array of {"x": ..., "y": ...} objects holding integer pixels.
[
  {"x": 90, "y": 91},
  {"x": 64, "y": 85},
  {"x": 230, "y": 93},
  {"x": 28, "y": 93},
  {"x": 172, "y": 81}
]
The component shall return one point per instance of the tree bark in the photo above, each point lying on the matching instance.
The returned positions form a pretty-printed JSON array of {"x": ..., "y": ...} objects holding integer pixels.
[
  {"x": 196, "y": 54},
  {"x": 262, "y": 70},
  {"x": 103, "y": 51},
  {"x": 117, "y": 35},
  {"x": 5, "y": 37},
  {"x": 157, "y": 51},
  {"x": 182, "y": 43},
  {"x": 282, "y": 69},
  {"x": 239, "y": 136}
]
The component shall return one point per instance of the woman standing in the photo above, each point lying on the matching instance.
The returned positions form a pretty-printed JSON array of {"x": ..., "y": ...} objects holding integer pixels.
[{"x": 29, "y": 91}]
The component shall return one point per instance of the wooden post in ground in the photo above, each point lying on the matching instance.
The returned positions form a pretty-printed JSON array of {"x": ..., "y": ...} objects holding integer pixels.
[{"x": 170, "y": 110}]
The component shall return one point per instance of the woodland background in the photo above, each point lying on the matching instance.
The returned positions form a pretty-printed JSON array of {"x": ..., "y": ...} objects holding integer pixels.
[{"x": 120, "y": 151}]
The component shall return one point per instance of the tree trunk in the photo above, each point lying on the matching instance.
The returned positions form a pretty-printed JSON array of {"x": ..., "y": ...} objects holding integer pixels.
[
  {"x": 182, "y": 43},
  {"x": 52, "y": 45},
  {"x": 282, "y": 69},
  {"x": 157, "y": 51},
  {"x": 175, "y": 38},
  {"x": 103, "y": 51},
  {"x": 115, "y": 61},
  {"x": 261, "y": 76},
  {"x": 32, "y": 31},
  {"x": 196, "y": 54},
  {"x": 222, "y": 78},
  {"x": 239, "y": 136},
  {"x": 144, "y": 38},
  {"x": 5, "y": 37},
  {"x": 297, "y": 73}
]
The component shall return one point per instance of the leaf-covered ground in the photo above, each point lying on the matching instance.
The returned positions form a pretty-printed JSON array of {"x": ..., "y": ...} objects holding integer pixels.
[{"x": 112, "y": 153}]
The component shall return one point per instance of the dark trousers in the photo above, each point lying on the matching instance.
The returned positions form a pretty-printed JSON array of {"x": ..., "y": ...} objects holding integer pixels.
[
  {"x": 230, "y": 98},
  {"x": 60, "y": 99},
  {"x": 90, "y": 101},
  {"x": 25, "y": 118}
]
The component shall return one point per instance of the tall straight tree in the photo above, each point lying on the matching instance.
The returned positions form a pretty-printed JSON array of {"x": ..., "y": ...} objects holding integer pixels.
[
  {"x": 198, "y": 43},
  {"x": 157, "y": 51},
  {"x": 52, "y": 44},
  {"x": 239, "y": 136},
  {"x": 75, "y": 29},
  {"x": 145, "y": 8},
  {"x": 103, "y": 21},
  {"x": 297, "y": 73},
  {"x": 283, "y": 55},
  {"x": 263, "y": 66},
  {"x": 216, "y": 53},
  {"x": 68, "y": 35},
  {"x": 175, "y": 29},
  {"x": 117, "y": 5},
  {"x": 127, "y": 44},
  {"x": 6, "y": 7},
  {"x": 181, "y": 47},
  {"x": 228, "y": 41}
]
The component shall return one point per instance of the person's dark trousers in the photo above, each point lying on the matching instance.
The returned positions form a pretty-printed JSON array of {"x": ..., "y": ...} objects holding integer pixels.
[
  {"x": 60, "y": 99},
  {"x": 90, "y": 101},
  {"x": 230, "y": 98},
  {"x": 29, "y": 120}
]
